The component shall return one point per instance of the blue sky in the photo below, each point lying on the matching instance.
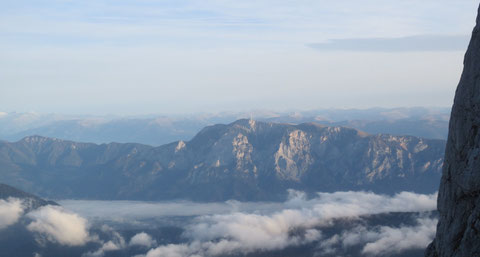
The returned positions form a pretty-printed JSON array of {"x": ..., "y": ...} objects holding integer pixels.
[{"x": 137, "y": 57}]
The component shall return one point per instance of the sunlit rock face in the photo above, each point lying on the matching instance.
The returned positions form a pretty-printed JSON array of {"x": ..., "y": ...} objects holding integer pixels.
[{"x": 458, "y": 232}]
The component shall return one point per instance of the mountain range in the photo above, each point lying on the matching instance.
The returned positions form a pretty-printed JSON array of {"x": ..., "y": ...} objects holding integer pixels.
[{"x": 244, "y": 160}]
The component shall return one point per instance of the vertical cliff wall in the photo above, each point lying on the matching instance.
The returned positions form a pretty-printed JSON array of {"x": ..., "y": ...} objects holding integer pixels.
[{"x": 458, "y": 231}]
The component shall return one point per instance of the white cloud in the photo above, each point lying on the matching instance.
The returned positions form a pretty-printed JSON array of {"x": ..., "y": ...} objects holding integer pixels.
[
  {"x": 251, "y": 232},
  {"x": 393, "y": 240},
  {"x": 58, "y": 225},
  {"x": 351, "y": 204},
  {"x": 216, "y": 235},
  {"x": 116, "y": 242},
  {"x": 10, "y": 211},
  {"x": 383, "y": 240},
  {"x": 172, "y": 250},
  {"x": 142, "y": 239}
]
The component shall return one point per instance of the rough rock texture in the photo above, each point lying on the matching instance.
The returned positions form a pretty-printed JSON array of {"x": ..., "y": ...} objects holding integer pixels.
[{"x": 458, "y": 231}]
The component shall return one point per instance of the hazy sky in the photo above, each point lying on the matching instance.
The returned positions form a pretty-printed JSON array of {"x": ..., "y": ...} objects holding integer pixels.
[{"x": 179, "y": 56}]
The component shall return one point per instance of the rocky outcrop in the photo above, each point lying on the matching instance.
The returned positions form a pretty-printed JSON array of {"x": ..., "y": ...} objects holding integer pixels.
[{"x": 458, "y": 231}]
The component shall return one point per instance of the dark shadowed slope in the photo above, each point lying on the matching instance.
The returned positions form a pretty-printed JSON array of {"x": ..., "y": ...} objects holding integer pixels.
[
  {"x": 30, "y": 201},
  {"x": 458, "y": 232}
]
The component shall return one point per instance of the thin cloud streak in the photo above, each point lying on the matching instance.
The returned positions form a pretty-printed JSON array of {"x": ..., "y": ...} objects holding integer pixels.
[
  {"x": 420, "y": 43},
  {"x": 252, "y": 20}
]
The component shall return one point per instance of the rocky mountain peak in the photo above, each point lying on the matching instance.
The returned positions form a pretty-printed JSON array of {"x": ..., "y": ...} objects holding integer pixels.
[{"x": 35, "y": 139}]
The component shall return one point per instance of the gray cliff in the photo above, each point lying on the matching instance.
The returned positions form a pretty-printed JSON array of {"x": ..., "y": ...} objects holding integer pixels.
[{"x": 458, "y": 231}]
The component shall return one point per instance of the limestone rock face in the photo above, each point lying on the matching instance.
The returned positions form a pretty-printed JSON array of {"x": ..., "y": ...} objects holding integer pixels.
[{"x": 458, "y": 231}]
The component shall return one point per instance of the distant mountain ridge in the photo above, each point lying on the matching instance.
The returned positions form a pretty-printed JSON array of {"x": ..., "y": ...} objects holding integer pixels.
[
  {"x": 244, "y": 160},
  {"x": 158, "y": 130}
]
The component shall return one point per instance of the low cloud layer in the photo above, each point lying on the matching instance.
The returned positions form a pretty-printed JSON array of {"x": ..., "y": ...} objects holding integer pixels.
[
  {"x": 10, "y": 211},
  {"x": 383, "y": 240},
  {"x": 238, "y": 228},
  {"x": 142, "y": 210},
  {"x": 299, "y": 223},
  {"x": 59, "y": 226},
  {"x": 394, "y": 240},
  {"x": 355, "y": 203}
]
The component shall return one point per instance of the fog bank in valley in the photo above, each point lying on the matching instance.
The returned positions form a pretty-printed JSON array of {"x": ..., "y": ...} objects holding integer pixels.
[{"x": 328, "y": 224}]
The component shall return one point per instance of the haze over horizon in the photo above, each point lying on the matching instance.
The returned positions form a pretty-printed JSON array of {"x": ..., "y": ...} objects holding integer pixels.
[{"x": 123, "y": 57}]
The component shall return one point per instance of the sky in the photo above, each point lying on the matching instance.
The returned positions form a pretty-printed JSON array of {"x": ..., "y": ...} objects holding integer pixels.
[{"x": 186, "y": 56}]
